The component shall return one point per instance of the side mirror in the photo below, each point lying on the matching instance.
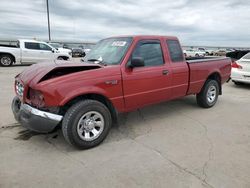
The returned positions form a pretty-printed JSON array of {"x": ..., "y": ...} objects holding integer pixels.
[
  {"x": 53, "y": 50},
  {"x": 137, "y": 62}
]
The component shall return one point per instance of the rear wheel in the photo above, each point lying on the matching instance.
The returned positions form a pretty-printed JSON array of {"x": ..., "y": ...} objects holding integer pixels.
[
  {"x": 86, "y": 124},
  {"x": 6, "y": 60},
  {"x": 209, "y": 94}
]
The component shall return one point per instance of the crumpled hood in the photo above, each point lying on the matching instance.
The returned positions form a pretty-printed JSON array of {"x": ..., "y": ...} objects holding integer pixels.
[{"x": 37, "y": 72}]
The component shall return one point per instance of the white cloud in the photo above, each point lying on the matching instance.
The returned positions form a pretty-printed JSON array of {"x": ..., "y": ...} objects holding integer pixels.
[{"x": 211, "y": 22}]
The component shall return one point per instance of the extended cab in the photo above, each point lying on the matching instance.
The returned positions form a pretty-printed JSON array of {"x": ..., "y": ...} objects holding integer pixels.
[
  {"x": 29, "y": 52},
  {"x": 119, "y": 74}
]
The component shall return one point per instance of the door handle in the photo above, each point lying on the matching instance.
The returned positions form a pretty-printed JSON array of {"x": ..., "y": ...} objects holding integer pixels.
[{"x": 165, "y": 72}]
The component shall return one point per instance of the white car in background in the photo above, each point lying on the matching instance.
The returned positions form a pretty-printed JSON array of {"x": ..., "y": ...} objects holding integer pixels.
[
  {"x": 194, "y": 53},
  {"x": 241, "y": 70}
]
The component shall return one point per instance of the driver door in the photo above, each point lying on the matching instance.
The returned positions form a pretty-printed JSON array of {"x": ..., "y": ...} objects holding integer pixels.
[{"x": 150, "y": 83}]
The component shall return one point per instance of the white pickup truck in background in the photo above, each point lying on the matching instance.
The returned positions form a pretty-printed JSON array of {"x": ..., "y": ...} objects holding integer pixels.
[{"x": 29, "y": 52}]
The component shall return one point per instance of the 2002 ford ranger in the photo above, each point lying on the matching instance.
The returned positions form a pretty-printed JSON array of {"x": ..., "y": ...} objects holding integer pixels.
[{"x": 120, "y": 74}]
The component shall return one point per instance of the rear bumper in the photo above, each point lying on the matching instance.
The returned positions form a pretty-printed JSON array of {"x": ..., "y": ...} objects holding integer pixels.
[
  {"x": 240, "y": 76},
  {"x": 34, "y": 119}
]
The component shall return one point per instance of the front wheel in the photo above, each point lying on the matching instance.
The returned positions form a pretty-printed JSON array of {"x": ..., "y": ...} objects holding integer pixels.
[
  {"x": 86, "y": 124},
  {"x": 6, "y": 60},
  {"x": 209, "y": 94}
]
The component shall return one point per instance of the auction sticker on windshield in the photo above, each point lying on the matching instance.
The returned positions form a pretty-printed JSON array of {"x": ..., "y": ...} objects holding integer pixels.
[{"x": 119, "y": 43}]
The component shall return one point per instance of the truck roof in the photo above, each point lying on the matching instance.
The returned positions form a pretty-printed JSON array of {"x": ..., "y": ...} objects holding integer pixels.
[
  {"x": 147, "y": 36},
  {"x": 28, "y": 40}
]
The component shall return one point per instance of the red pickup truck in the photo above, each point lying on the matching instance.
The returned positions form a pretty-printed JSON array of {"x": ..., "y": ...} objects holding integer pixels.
[{"x": 119, "y": 74}]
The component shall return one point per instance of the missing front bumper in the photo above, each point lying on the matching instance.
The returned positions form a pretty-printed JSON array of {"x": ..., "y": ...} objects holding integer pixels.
[{"x": 34, "y": 119}]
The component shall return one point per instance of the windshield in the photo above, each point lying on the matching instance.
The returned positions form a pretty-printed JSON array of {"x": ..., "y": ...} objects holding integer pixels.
[
  {"x": 55, "y": 45},
  {"x": 109, "y": 51},
  {"x": 247, "y": 56}
]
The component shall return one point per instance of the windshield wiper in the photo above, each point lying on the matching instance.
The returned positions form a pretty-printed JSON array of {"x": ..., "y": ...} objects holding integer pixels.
[{"x": 97, "y": 61}]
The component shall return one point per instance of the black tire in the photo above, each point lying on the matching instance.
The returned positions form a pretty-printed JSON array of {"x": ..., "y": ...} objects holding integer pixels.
[
  {"x": 238, "y": 83},
  {"x": 6, "y": 60},
  {"x": 73, "y": 116},
  {"x": 202, "y": 98},
  {"x": 197, "y": 55},
  {"x": 15, "y": 106}
]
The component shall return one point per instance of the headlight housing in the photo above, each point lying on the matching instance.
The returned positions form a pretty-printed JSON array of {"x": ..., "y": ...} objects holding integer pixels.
[{"x": 19, "y": 87}]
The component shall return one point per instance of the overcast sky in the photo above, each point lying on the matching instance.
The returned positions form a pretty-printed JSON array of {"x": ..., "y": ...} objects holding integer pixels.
[{"x": 195, "y": 22}]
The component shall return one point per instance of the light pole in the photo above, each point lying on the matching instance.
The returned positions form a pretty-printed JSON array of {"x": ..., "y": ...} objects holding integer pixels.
[{"x": 47, "y": 3}]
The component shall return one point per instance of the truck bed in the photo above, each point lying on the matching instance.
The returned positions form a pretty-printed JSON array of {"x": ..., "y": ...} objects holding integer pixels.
[
  {"x": 203, "y": 59},
  {"x": 8, "y": 46},
  {"x": 201, "y": 68}
]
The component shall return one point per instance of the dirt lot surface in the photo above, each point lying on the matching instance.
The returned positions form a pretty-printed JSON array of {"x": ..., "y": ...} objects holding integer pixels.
[{"x": 173, "y": 144}]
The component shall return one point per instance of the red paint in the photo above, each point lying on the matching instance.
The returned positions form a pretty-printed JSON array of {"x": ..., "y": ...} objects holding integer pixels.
[{"x": 135, "y": 88}]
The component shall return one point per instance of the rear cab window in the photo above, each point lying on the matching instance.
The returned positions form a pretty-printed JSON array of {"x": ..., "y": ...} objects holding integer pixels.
[
  {"x": 175, "y": 51},
  {"x": 32, "y": 45}
]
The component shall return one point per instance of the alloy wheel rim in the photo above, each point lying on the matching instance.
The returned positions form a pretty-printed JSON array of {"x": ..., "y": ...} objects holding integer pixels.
[
  {"x": 90, "y": 126},
  {"x": 211, "y": 94},
  {"x": 5, "y": 60}
]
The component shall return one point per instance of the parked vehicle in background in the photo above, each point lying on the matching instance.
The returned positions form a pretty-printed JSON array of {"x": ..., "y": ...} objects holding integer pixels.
[
  {"x": 237, "y": 54},
  {"x": 77, "y": 51},
  {"x": 207, "y": 51},
  {"x": 194, "y": 53},
  {"x": 220, "y": 53},
  {"x": 60, "y": 48},
  {"x": 120, "y": 74},
  {"x": 241, "y": 70},
  {"x": 87, "y": 47},
  {"x": 29, "y": 52}
]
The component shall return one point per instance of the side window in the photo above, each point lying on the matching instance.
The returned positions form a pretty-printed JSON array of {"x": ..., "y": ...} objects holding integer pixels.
[
  {"x": 150, "y": 51},
  {"x": 175, "y": 51},
  {"x": 44, "y": 47},
  {"x": 32, "y": 45}
]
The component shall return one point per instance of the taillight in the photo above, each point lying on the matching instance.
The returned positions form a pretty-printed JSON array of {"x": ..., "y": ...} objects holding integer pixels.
[
  {"x": 235, "y": 65},
  {"x": 36, "y": 97}
]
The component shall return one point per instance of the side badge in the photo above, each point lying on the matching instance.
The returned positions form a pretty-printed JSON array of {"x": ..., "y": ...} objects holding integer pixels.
[{"x": 111, "y": 82}]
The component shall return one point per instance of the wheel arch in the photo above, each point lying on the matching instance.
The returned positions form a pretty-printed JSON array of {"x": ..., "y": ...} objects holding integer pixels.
[
  {"x": 217, "y": 77},
  {"x": 7, "y": 53},
  {"x": 63, "y": 56},
  {"x": 94, "y": 96}
]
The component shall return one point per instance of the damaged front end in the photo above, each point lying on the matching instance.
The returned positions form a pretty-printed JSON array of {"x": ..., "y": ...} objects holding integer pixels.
[
  {"x": 62, "y": 71},
  {"x": 34, "y": 119},
  {"x": 29, "y": 106}
]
